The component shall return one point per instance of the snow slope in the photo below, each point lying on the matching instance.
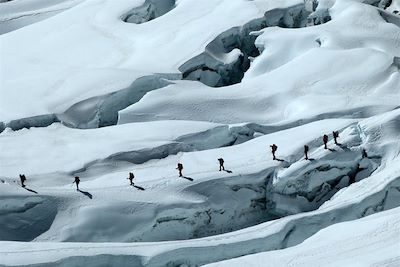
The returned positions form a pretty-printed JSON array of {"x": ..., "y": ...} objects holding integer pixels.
[
  {"x": 106, "y": 87},
  {"x": 358, "y": 200},
  {"x": 95, "y": 144},
  {"x": 360, "y": 59},
  {"x": 16, "y": 14},
  {"x": 375, "y": 243},
  {"x": 110, "y": 55}
]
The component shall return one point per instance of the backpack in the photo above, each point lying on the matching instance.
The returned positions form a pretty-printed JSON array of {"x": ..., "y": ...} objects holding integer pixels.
[{"x": 336, "y": 134}]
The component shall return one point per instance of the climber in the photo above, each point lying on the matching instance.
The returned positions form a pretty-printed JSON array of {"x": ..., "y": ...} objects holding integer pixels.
[
  {"x": 131, "y": 176},
  {"x": 77, "y": 182},
  {"x": 335, "y": 136},
  {"x": 306, "y": 148},
  {"x": 23, "y": 179},
  {"x": 364, "y": 153},
  {"x": 180, "y": 168},
  {"x": 325, "y": 139},
  {"x": 274, "y": 148},
  {"x": 221, "y": 164}
]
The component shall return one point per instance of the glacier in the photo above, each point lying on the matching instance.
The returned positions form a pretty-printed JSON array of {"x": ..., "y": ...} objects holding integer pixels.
[{"x": 101, "y": 88}]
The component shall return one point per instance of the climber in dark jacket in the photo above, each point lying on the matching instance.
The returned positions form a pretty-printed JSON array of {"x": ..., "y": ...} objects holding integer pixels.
[
  {"x": 273, "y": 150},
  {"x": 364, "y": 153},
  {"x": 221, "y": 164},
  {"x": 77, "y": 180},
  {"x": 325, "y": 139},
  {"x": 335, "y": 136},
  {"x": 23, "y": 179},
  {"x": 180, "y": 168},
  {"x": 306, "y": 148},
  {"x": 131, "y": 176}
]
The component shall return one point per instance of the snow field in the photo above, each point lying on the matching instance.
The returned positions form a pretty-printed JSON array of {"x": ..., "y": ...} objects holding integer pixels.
[{"x": 86, "y": 68}]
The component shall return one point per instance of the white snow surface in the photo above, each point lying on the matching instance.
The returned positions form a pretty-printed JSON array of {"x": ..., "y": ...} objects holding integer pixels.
[
  {"x": 370, "y": 241},
  {"x": 63, "y": 145},
  {"x": 88, "y": 50},
  {"x": 340, "y": 208},
  {"x": 19, "y": 13},
  {"x": 290, "y": 79}
]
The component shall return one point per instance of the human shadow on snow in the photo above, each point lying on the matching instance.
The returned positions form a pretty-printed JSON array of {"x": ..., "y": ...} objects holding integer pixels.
[
  {"x": 138, "y": 187},
  {"x": 86, "y": 193},
  {"x": 187, "y": 178},
  {"x": 30, "y": 190}
]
